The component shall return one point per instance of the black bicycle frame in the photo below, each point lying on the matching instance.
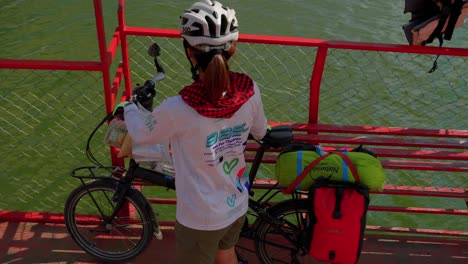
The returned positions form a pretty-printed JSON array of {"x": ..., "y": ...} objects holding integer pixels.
[{"x": 257, "y": 206}]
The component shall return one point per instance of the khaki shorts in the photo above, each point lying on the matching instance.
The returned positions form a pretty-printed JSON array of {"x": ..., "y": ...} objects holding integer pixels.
[{"x": 200, "y": 246}]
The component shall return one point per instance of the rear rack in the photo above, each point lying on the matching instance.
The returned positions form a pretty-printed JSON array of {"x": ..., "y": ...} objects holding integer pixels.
[{"x": 98, "y": 172}]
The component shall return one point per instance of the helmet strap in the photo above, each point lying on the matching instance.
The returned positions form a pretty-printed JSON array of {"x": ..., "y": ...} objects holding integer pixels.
[{"x": 193, "y": 69}]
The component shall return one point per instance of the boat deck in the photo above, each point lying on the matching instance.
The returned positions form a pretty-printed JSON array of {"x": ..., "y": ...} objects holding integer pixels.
[{"x": 26, "y": 242}]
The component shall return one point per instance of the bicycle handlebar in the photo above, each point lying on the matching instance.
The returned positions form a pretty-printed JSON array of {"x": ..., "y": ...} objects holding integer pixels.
[{"x": 154, "y": 51}]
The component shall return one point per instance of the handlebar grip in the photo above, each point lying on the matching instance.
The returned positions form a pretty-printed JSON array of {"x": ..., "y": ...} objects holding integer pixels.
[{"x": 159, "y": 76}]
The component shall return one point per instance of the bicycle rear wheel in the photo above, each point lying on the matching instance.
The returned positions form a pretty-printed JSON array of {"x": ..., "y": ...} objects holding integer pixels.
[
  {"x": 270, "y": 240},
  {"x": 125, "y": 237}
]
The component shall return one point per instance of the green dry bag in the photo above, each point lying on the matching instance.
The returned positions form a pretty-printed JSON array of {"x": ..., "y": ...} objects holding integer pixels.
[{"x": 295, "y": 157}]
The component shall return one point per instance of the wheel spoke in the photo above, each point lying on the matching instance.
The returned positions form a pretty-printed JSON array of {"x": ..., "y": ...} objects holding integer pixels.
[
  {"x": 282, "y": 240},
  {"x": 122, "y": 238}
]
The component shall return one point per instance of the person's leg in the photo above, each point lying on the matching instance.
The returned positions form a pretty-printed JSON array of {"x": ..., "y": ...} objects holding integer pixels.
[
  {"x": 226, "y": 256},
  {"x": 195, "y": 246},
  {"x": 226, "y": 253}
]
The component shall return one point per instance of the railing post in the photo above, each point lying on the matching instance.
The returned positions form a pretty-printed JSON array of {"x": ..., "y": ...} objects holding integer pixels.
[
  {"x": 124, "y": 45},
  {"x": 105, "y": 59},
  {"x": 128, "y": 83},
  {"x": 105, "y": 63},
  {"x": 315, "y": 82}
]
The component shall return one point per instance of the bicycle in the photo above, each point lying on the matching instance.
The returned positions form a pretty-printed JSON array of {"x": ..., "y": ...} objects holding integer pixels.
[
  {"x": 112, "y": 220},
  {"x": 280, "y": 230}
]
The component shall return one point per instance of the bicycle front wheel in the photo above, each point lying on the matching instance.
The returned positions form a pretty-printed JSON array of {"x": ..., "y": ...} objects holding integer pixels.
[
  {"x": 284, "y": 239},
  {"x": 124, "y": 237}
]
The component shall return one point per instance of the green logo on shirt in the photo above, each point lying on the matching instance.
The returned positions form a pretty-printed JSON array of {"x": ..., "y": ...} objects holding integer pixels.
[
  {"x": 225, "y": 134},
  {"x": 150, "y": 122},
  {"x": 231, "y": 200},
  {"x": 228, "y": 166}
]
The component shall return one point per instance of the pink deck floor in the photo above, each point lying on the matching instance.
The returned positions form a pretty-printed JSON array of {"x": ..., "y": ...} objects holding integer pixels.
[{"x": 24, "y": 242}]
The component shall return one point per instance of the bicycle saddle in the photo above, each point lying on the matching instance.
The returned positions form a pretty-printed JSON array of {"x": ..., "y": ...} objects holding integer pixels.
[{"x": 278, "y": 136}]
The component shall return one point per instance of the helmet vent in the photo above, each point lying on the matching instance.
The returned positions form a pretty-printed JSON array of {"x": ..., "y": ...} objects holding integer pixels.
[
  {"x": 211, "y": 26},
  {"x": 224, "y": 23},
  {"x": 195, "y": 10},
  {"x": 233, "y": 28},
  {"x": 198, "y": 32}
]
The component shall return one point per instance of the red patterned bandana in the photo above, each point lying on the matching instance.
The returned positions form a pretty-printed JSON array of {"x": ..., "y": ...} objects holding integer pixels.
[{"x": 241, "y": 90}]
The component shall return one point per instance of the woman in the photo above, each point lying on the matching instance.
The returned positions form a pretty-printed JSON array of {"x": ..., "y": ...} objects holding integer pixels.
[{"x": 207, "y": 125}]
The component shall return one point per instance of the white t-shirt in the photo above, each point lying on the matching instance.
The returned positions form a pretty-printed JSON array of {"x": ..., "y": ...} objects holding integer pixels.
[{"x": 208, "y": 157}]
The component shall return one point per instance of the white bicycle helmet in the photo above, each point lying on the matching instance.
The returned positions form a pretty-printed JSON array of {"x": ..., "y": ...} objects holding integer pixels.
[{"x": 209, "y": 25}]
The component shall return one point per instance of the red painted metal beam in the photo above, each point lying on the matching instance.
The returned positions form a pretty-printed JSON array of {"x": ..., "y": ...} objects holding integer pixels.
[
  {"x": 382, "y": 141},
  {"x": 152, "y": 32},
  {"x": 384, "y": 153},
  {"x": 395, "y": 209},
  {"x": 425, "y": 166},
  {"x": 113, "y": 47},
  {"x": 419, "y": 210},
  {"x": 377, "y": 130},
  {"x": 115, "y": 87},
  {"x": 162, "y": 200},
  {"x": 50, "y": 65},
  {"x": 425, "y": 191},
  {"x": 394, "y": 164},
  {"x": 310, "y": 42},
  {"x": 315, "y": 84},
  {"x": 420, "y": 154},
  {"x": 103, "y": 54},
  {"x": 114, "y": 90},
  {"x": 31, "y": 217},
  {"x": 421, "y": 231},
  {"x": 124, "y": 48},
  {"x": 444, "y": 192}
]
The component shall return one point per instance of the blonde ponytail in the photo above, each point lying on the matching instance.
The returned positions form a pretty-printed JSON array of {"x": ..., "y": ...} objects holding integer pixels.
[{"x": 216, "y": 79}]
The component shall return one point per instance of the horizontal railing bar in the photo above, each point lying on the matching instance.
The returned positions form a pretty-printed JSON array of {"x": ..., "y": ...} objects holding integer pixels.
[
  {"x": 393, "y": 209},
  {"x": 397, "y": 209},
  {"x": 51, "y": 65},
  {"x": 442, "y": 192},
  {"x": 162, "y": 200},
  {"x": 421, "y": 231},
  {"x": 425, "y": 191},
  {"x": 381, "y": 141},
  {"x": 420, "y": 154},
  {"x": 389, "y": 152},
  {"x": 379, "y": 130},
  {"x": 424, "y": 166},
  {"x": 394, "y": 164},
  {"x": 310, "y": 42},
  {"x": 58, "y": 218}
]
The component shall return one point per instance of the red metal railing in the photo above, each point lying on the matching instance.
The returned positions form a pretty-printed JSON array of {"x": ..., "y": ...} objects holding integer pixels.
[
  {"x": 111, "y": 89},
  {"x": 313, "y": 128}
]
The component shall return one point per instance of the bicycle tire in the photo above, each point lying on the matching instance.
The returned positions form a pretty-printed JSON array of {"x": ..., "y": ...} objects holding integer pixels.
[
  {"x": 271, "y": 246},
  {"x": 125, "y": 238}
]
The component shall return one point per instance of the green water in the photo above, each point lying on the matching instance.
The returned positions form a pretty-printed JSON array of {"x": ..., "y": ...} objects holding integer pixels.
[{"x": 65, "y": 30}]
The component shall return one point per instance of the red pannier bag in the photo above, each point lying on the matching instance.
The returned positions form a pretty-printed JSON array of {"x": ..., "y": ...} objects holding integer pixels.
[{"x": 338, "y": 211}]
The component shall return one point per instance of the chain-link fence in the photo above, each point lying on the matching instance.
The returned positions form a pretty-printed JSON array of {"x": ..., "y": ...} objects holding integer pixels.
[
  {"x": 48, "y": 115},
  {"x": 358, "y": 87},
  {"x": 46, "y": 118}
]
